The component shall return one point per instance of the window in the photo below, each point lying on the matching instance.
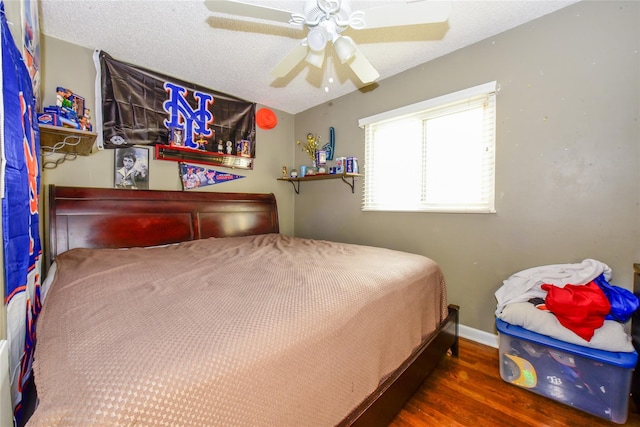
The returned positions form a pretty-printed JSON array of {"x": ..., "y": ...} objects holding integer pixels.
[{"x": 435, "y": 156}]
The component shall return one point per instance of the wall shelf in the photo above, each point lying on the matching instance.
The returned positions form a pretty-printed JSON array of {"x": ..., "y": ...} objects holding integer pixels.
[
  {"x": 67, "y": 141},
  {"x": 57, "y": 139},
  {"x": 346, "y": 177}
]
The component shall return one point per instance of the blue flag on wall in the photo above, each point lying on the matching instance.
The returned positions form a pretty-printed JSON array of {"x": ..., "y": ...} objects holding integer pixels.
[{"x": 19, "y": 134}]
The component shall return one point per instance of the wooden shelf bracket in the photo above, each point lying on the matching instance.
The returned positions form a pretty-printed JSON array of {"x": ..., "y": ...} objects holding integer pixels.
[
  {"x": 296, "y": 185},
  {"x": 351, "y": 184}
]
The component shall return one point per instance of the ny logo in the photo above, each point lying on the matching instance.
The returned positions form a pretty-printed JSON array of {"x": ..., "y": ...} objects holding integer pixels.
[{"x": 195, "y": 123}]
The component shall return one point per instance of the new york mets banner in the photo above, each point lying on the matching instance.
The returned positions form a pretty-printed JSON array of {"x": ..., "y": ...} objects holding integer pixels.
[
  {"x": 142, "y": 107},
  {"x": 20, "y": 219}
]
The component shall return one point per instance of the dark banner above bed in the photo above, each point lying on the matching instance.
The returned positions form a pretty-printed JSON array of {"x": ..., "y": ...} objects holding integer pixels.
[{"x": 142, "y": 107}]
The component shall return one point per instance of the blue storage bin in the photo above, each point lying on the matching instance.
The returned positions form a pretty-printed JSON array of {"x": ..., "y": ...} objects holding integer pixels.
[{"x": 595, "y": 381}]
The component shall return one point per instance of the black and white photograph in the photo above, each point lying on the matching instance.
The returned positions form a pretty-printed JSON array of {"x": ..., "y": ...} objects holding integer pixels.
[{"x": 132, "y": 168}]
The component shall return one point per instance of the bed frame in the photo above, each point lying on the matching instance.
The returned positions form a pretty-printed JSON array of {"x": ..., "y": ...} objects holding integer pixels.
[{"x": 112, "y": 218}]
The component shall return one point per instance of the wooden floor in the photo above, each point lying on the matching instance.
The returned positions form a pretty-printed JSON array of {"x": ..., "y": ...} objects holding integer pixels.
[{"x": 468, "y": 391}]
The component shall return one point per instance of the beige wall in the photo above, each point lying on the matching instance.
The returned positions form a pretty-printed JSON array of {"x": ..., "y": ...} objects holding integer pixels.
[
  {"x": 71, "y": 66},
  {"x": 568, "y": 168}
]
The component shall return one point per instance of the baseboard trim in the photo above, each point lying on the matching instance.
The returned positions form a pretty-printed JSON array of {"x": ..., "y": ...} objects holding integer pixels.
[{"x": 478, "y": 336}]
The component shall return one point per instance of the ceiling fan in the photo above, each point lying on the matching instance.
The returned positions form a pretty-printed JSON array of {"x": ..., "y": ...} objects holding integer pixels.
[{"x": 327, "y": 19}]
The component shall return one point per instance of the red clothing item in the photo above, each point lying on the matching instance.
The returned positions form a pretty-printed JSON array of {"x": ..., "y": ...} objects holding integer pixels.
[{"x": 581, "y": 308}]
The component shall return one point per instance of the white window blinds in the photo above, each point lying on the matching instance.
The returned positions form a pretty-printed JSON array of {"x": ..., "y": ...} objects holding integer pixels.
[{"x": 437, "y": 155}]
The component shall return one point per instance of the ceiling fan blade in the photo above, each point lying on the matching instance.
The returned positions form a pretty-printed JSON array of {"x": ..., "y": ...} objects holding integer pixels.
[
  {"x": 287, "y": 64},
  {"x": 248, "y": 10},
  {"x": 363, "y": 68},
  {"x": 411, "y": 12}
]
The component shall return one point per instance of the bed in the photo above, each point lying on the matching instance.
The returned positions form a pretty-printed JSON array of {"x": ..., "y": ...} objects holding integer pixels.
[{"x": 186, "y": 308}]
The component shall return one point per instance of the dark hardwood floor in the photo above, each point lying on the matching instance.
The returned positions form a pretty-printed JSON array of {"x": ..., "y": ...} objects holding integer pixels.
[{"x": 468, "y": 391}]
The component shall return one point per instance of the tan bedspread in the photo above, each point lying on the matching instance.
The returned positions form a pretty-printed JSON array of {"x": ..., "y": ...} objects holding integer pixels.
[{"x": 262, "y": 330}]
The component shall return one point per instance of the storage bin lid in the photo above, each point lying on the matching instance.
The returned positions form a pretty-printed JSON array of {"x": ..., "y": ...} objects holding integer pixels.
[{"x": 623, "y": 360}]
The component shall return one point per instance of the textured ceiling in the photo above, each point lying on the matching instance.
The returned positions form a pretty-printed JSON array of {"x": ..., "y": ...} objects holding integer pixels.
[{"x": 184, "y": 39}]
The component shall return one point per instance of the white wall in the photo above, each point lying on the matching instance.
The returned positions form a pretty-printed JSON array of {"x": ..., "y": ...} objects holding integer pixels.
[{"x": 6, "y": 410}]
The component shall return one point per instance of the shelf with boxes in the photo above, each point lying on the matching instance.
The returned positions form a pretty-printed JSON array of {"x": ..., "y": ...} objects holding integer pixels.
[
  {"x": 65, "y": 128},
  {"x": 71, "y": 142},
  {"x": 347, "y": 178},
  {"x": 346, "y": 168}
]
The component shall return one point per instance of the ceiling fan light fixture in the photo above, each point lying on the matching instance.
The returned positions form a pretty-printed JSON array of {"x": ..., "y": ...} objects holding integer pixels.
[
  {"x": 345, "y": 48},
  {"x": 315, "y": 58},
  {"x": 317, "y": 39},
  {"x": 327, "y": 19}
]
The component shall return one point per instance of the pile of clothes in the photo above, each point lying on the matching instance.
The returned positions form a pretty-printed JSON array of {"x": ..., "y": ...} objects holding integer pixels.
[{"x": 570, "y": 302}]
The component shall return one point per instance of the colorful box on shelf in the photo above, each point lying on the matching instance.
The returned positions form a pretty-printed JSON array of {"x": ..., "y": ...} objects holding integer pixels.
[
  {"x": 51, "y": 119},
  {"x": 64, "y": 116},
  {"x": 351, "y": 165},
  {"x": 321, "y": 157}
]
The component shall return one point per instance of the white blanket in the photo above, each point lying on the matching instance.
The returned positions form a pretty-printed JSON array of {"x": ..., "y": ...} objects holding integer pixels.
[
  {"x": 526, "y": 284},
  {"x": 611, "y": 336}
]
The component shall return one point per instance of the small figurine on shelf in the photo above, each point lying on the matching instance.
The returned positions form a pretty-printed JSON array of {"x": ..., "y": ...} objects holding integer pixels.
[
  {"x": 84, "y": 121},
  {"x": 284, "y": 171},
  {"x": 175, "y": 137},
  {"x": 68, "y": 99},
  {"x": 245, "y": 151},
  {"x": 59, "y": 96},
  {"x": 201, "y": 143},
  {"x": 62, "y": 97}
]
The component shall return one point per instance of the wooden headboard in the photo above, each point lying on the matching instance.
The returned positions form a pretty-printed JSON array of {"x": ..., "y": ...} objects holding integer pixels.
[{"x": 112, "y": 218}]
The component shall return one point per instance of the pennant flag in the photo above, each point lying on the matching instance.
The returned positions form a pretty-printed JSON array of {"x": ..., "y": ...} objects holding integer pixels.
[{"x": 197, "y": 176}]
